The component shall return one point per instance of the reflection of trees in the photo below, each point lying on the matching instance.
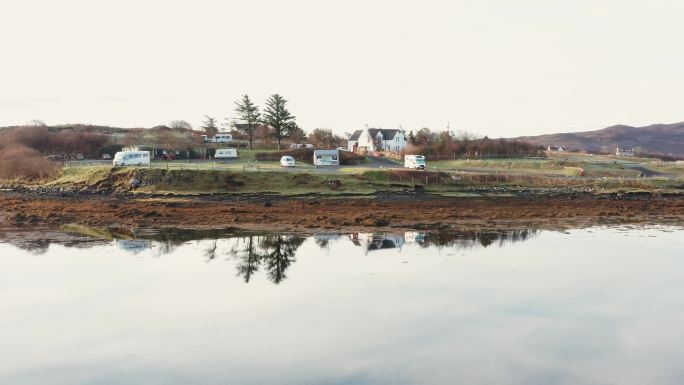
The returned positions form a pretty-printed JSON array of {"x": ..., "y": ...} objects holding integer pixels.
[
  {"x": 279, "y": 254},
  {"x": 210, "y": 252},
  {"x": 446, "y": 238},
  {"x": 169, "y": 239},
  {"x": 249, "y": 257},
  {"x": 471, "y": 239},
  {"x": 33, "y": 246},
  {"x": 37, "y": 241},
  {"x": 275, "y": 252}
]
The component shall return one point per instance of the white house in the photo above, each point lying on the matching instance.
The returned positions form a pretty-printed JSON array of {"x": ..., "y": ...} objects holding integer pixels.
[
  {"x": 378, "y": 139},
  {"x": 624, "y": 151}
]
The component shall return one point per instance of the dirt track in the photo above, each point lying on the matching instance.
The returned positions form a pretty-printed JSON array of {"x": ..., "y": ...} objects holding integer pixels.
[{"x": 300, "y": 214}]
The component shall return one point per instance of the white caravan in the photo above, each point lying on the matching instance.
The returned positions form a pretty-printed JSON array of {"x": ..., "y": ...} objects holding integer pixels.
[
  {"x": 219, "y": 138},
  {"x": 226, "y": 153},
  {"x": 131, "y": 158},
  {"x": 326, "y": 158},
  {"x": 415, "y": 162}
]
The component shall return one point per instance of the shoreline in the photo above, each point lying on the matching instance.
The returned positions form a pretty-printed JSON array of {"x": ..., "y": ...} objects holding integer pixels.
[{"x": 351, "y": 213}]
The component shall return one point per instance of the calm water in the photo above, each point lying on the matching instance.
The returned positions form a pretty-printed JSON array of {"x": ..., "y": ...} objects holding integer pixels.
[{"x": 593, "y": 306}]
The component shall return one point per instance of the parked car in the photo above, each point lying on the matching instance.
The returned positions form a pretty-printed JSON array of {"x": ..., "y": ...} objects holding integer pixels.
[
  {"x": 287, "y": 161},
  {"x": 106, "y": 157},
  {"x": 167, "y": 157},
  {"x": 295, "y": 146}
]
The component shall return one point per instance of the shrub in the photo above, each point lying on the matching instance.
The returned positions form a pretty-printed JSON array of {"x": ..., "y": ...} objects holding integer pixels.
[{"x": 19, "y": 161}]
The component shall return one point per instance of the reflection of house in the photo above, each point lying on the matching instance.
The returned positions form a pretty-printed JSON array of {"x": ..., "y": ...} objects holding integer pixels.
[
  {"x": 377, "y": 241},
  {"x": 134, "y": 246},
  {"x": 623, "y": 151},
  {"x": 377, "y": 139},
  {"x": 414, "y": 237}
]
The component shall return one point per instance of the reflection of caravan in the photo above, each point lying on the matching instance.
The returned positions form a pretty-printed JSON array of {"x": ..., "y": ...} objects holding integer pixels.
[{"x": 134, "y": 246}]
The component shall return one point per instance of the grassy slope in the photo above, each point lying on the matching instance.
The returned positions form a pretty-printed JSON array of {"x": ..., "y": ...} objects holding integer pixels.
[
  {"x": 203, "y": 181},
  {"x": 206, "y": 181}
]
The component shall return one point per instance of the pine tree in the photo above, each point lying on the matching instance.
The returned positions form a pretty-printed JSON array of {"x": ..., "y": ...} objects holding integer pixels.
[
  {"x": 249, "y": 113},
  {"x": 412, "y": 138},
  {"x": 277, "y": 116}
]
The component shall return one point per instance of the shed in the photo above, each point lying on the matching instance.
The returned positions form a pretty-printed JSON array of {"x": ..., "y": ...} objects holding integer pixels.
[{"x": 326, "y": 158}]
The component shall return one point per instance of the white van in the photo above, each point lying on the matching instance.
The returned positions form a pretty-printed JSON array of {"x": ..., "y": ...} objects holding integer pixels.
[
  {"x": 223, "y": 138},
  {"x": 287, "y": 161},
  {"x": 131, "y": 158},
  {"x": 226, "y": 153},
  {"x": 415, "y": 162}
]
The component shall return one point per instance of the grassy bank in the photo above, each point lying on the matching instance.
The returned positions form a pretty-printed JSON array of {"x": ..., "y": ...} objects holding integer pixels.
[{"x": 200, "y": 181}]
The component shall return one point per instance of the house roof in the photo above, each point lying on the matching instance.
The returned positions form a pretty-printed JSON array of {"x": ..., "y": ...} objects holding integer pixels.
[
  {"x": 356, "y": 135},
  {"x": 387, "y": 133}
]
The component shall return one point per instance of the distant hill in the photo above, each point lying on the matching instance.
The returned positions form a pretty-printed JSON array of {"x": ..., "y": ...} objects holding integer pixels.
[{"x": 663, "y": 139}]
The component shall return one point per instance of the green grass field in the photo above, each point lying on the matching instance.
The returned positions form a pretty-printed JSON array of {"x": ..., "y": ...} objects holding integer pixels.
[{"x": 444, "y": 177}]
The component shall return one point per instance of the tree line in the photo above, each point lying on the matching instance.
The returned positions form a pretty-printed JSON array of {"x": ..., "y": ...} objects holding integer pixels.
[
  {"x": 273, "y": 122},
  {"x": 448, "y": 144}
]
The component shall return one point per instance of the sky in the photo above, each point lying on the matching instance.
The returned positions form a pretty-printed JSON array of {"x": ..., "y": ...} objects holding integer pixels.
[{"x": 495, "y": 67}]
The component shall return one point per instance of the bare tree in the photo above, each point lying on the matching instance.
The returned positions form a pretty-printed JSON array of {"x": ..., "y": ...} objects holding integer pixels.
[{"x": 181, "y": 125}]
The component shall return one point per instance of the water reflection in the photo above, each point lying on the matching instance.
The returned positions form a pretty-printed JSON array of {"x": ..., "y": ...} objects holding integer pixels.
[
  {"x": 274, "y": 253},
  {"x": 584, "y": 307},
  {"x": 451, "y": 239}
]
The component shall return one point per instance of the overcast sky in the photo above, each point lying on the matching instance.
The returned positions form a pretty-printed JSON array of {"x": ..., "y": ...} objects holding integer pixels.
[{"x": 496, "y": 67}]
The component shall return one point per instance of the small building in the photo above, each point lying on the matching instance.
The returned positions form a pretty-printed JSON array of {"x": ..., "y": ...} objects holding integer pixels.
[
  {"x": 377, "y": 139},
  {"x": 326, "y": 158},
  {"x": 623, "y": 151},
  {"x": 555, "y": 148}
]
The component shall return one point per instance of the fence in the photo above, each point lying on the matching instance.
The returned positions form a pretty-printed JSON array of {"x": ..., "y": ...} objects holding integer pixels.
[{"x": 500, "y": 178}]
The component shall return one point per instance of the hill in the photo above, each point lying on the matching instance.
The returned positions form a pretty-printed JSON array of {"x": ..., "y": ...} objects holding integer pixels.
[{"x": 662, "y": 139}]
